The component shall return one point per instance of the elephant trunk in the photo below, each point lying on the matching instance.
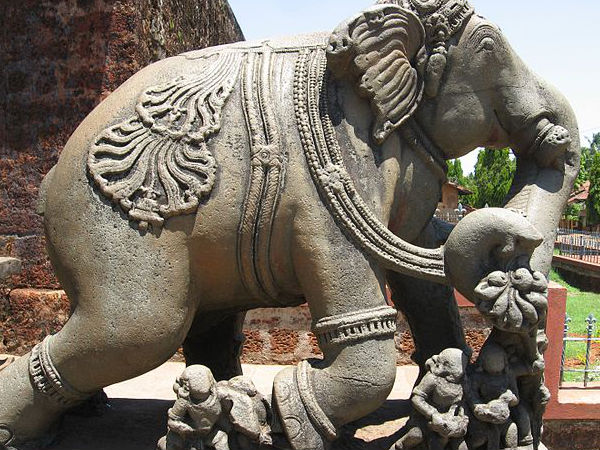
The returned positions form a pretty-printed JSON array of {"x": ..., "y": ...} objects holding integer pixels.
[
  {"x": 484, "y": 241},
  {"x": 543, "y": 134},
  {"x": 547, "y": 147}
]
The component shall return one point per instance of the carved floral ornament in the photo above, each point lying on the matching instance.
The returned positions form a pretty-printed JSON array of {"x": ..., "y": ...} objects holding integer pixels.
[
  {"x": 514, "y": 301},
  {"x": 156, "y": 164}
]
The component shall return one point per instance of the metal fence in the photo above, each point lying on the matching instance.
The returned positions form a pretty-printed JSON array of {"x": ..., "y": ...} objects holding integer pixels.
[
  {"x": 579, "y": 244},
  {"x": 450, "y": 216},
  {"x": 589, "y": 369}
]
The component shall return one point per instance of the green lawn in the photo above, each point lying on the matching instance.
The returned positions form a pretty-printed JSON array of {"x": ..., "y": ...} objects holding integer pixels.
[{"x": 579, "y": 305}]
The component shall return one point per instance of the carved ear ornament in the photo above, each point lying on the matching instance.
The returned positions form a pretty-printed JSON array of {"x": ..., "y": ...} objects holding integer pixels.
[
  {"x": 440, "y": 26},
  {"x": 442, "y": 19},
  {"x": 376, "y": 51}
]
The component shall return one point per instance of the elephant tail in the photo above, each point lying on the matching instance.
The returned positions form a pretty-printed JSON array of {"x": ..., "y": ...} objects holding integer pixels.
[{"x": 41, "y": 202}]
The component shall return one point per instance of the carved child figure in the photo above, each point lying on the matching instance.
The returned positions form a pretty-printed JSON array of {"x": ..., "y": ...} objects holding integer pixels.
[
  {"x": 228, "y": 415},
  {"x": 438, "y": 419},
  {"x": 192, "y": 419},
  {"x": 494, "y": 400}
]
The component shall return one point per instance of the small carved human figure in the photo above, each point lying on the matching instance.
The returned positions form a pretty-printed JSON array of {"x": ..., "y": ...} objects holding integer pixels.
[
  {"x": 493, "y": 398},
  {"x": 228, "y": 415},
  {"x": 196, "y": 411},
  {"x": 438, "y": 419}
]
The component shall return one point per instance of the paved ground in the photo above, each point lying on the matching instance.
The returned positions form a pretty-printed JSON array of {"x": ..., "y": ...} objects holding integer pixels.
[
  {"x": 137, "y": 414},
  {"x": 136, "y": 418}
]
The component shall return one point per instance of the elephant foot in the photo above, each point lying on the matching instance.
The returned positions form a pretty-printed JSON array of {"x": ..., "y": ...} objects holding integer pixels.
[
  {"x": 295, "y": 415},
  {"x": 32, "y": 399},
  {"x": 25, "y": 413}
]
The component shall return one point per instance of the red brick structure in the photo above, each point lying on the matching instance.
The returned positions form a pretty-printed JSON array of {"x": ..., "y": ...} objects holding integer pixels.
[
  {"x": 59, "y": 59},
  {"x": 450, "y": 193}
]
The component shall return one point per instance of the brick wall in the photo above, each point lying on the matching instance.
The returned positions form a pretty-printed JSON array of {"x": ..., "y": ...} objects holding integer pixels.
[
  {"x": 282, "y": 336},
  {"x": 59, "y": 59}
]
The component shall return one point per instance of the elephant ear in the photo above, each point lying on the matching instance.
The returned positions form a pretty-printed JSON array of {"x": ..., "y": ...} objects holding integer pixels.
[{"x": 376, "y": 51}]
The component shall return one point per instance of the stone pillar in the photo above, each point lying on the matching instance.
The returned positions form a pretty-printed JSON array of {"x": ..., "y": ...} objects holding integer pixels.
[{"x": 59, "y": 59}]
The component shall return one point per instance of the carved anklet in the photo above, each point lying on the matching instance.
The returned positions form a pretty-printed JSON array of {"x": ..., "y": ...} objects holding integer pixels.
[
  {"x": 48, "y": 381},
  {"x": 355, "y": 326}
]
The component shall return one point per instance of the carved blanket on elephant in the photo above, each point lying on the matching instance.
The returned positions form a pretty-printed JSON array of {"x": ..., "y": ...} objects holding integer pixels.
[{"x": 156, "y": 164}]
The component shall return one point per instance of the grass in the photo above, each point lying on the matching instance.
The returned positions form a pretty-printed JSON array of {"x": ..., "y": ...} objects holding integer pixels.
[{"x": 579, "y": 305}]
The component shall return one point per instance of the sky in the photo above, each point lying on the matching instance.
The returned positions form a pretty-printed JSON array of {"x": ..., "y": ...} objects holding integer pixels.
[{"x": 560, "y": 43}]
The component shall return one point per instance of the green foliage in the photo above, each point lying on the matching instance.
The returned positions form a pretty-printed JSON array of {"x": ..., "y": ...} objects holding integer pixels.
[
  {"x": 593, "y": 201},
  {"x": 572, "y": 211},
  {"x": 455, "y": 172},
  {"x": 595, "y": 143},
  {"x": 491, "y": 180},
  {"x": 587, "y": 157}
]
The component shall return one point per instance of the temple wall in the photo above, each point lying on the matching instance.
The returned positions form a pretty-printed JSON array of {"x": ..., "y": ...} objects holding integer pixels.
[{"x": 59, "y": 59}]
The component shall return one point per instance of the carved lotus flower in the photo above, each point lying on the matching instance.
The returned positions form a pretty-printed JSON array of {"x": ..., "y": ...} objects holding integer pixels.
[
  {"x": 513, "y": 301},
  {"x": 437, "y": 27},
  {"x": 332, "y": 176}
]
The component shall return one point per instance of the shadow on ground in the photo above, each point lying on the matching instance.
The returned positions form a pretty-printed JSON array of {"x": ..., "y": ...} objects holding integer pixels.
[
  {"x": 132, "y": 424},
  {"x": 126, "y": 424}
]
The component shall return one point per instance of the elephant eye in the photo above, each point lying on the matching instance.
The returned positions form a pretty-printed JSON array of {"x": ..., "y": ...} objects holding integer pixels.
[{"x": 487, "y": 44}]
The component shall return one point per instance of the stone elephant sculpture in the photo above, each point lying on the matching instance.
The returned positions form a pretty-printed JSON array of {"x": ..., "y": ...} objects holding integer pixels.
[{"x": 272, "y": 173}]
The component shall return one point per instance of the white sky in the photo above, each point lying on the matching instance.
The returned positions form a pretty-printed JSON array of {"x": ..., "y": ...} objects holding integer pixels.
[{"x": 559, "y": 40}]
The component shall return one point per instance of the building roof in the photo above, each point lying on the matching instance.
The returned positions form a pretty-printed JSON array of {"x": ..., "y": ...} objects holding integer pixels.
[
  {"x": 580, "y": 194},
  {"x": 461, "y": 189}
]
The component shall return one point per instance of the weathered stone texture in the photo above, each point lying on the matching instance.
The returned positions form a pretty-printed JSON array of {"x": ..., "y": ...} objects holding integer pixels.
[{"x": 60, "y": 58}]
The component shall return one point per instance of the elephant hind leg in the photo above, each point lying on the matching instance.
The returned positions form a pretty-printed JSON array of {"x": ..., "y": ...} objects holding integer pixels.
[
  {"x": 217, "y": 346},
  {"x": 429, "y": 308},
  {"x": 109, "y": 338}
]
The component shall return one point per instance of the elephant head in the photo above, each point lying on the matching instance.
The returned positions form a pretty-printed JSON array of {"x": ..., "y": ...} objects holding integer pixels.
[{"x": 437, "y": 67}]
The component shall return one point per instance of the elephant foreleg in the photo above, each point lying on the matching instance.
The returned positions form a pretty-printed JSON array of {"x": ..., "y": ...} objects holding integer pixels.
[
  {"x": 429, "y": 308},
  {"x": 217, "y": 346},
  {"x": 355, "y": 329}
]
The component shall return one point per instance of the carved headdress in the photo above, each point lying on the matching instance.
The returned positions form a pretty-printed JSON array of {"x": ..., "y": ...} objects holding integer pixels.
[
  {"x": 442, "y": 19},
  {"x": 386, "y": 48}
]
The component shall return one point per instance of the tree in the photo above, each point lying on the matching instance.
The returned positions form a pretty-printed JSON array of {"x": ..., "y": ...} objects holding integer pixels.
[
  {"x": 595, "y": 143},
  {"x": 593, "y": 201},
  {"x": 587, "y": 155},
  {"x": 455, "y": 172},
  {"x": 491, "y": 180}
]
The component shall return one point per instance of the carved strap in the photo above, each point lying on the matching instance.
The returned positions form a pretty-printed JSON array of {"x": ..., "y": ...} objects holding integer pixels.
[
  {"x": 315, "y": 413},
  {"x": 337, "y": 190},
  {"x": 355, "y": 326},
  {"x": 48, "y": 381},
  {"x": 267, "y": 161}
]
